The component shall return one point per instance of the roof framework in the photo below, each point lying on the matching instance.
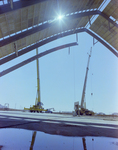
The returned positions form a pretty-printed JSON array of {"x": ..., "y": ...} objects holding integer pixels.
[
  {"x": 28, "y": 25},
  {"x": 36, "y": 57}
]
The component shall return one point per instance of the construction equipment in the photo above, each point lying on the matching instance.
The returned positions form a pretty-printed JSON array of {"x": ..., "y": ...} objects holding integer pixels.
[
  {"x": 38, "y": 104},
  {"x": 49, "y": 110},
  {"x": 81, "y": 109}
]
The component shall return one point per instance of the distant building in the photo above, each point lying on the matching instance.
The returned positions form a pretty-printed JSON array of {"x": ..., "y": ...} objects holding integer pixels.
[
  {"x": 1, "y": 106},
  {"x": 115, "y": 114},
  {"x": 5, "y": 106}
]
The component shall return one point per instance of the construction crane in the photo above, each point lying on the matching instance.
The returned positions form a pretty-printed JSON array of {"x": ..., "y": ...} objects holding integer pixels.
[
  {"x": 81, "y": 109},
  {"x": 38, "y": 104}
]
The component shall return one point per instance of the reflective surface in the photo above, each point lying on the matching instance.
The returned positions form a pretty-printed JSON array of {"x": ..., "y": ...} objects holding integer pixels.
[{"x": 13, "y": 139}]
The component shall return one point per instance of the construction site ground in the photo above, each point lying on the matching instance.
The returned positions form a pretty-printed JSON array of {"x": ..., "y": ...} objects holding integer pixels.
[{"x": 61, "y": 124}]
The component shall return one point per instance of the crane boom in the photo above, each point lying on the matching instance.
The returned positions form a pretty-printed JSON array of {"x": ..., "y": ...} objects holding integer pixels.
[
  {"x": 81, "y": 109},
  {"x": 85, "y": 81},
  {"x": 38, "y": 79}
]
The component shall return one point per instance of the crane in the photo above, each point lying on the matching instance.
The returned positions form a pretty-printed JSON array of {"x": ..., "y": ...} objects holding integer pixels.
[
  {"x": 38, "y": 104},
  {"x": 81, "y": 109},
  {"x": 38, "y": 99},
  {"x": 85, "y": 81}
]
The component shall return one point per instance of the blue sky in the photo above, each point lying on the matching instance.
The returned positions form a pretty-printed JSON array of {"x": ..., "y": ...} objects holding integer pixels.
[{"x": 62, "y": 78}]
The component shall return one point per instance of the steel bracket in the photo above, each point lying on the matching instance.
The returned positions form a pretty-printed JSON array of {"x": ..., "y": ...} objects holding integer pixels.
[{"x": 94, "y": 41}]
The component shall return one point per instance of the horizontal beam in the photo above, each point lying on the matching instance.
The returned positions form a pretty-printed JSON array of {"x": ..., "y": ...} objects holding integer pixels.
[
  {"x": 36, "y": 57},
  {"x": 18, "y": 5}
]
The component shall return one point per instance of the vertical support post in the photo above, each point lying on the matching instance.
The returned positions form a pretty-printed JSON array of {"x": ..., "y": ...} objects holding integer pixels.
[
  {"x": 93, "y": 41},
  {"x": 38, "y": 80},
  {"x": 89, "y": 20},
  {"x": 77, "y": 37},
  {"x": 15, "y": 49}
]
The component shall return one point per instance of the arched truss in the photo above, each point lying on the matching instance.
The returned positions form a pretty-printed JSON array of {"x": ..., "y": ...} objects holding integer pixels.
[
  {"x": 51, "y": 29},
  {"x": 36, "y": 57},
  {"x": 24, "y": 51}
]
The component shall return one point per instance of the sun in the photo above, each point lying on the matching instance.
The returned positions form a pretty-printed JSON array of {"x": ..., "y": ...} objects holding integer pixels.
[{"x": 60, "y": 17}]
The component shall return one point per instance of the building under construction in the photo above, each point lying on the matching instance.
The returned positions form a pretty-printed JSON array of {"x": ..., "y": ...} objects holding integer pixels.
[{"x": 25, "y": 26}]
